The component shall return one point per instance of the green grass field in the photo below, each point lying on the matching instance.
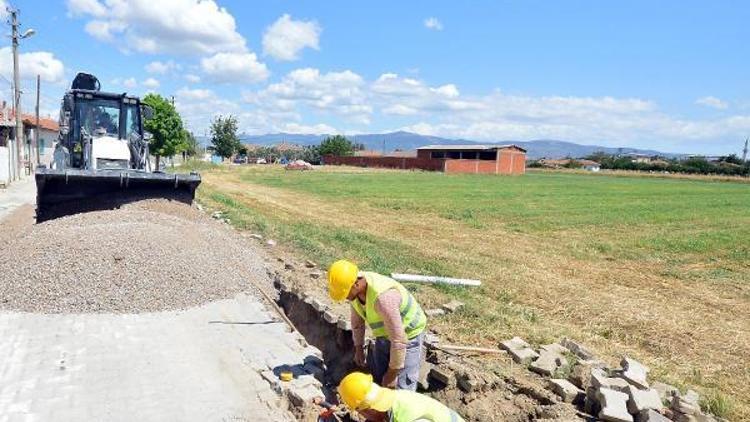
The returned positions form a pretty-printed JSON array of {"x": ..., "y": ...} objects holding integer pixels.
[{"x": 655, "y": 268}]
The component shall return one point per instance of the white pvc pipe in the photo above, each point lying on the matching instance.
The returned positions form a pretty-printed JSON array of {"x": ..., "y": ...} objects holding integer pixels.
[{"x": 436, "y": 280}]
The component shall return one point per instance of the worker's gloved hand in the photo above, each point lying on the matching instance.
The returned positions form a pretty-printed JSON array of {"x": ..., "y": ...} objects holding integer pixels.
[
  {"x": 359, "y": 357},
  {"x": 390, "y": 378}
]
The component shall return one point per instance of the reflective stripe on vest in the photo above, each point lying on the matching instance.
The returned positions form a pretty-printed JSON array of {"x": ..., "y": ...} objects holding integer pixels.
[
  {"x": 412, "y": 316},
  {"x": 409, "y": 406}
]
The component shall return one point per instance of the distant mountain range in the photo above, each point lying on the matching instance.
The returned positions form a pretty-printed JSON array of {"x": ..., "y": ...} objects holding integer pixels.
[{"x": 405, "y": 141}]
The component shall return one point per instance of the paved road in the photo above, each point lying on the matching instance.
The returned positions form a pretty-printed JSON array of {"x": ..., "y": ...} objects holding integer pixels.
[
  {"x": 202, "y": 364},
  {"x": 18, "y": 193}
]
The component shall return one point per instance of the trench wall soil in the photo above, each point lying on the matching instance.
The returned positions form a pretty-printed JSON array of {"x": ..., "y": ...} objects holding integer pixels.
[
  {"x": 477, "y": 392},
  {"x": 334, "y": 341}
]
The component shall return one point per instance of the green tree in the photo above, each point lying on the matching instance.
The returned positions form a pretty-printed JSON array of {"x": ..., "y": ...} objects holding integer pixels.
[
  {"x": 311, "y": 154},
  {"x": 336, "y": 145},
  {"x": 165, "y": 127},
  {"x": 732, "y": 159},
  {"x": 192, "y": 147},
  {"x": 224, "y": 136}
]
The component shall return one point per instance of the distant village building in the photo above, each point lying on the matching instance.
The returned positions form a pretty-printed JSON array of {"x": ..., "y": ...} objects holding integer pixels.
[
  {"x": 284, "y": 147},
  {"x": 49, "y": 131},
  {"x": 641, "y": 158},
  {"x": 566, "y": 163},
  {"x": 590, "y": 165},
  {"x": 485, "y": 159}
]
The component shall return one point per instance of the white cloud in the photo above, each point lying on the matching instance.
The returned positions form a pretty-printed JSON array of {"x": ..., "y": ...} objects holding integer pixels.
[
  {"x": 199, "y": 106},
  {"x": 712, "y": 102},
  {"x": 86, "y": 7},
  {"x": 443, "y": 110},
  {"x": 285, "y": 38},
  {"x": 433, "y": 23},
  {"x": 41, "y": 63},
  {"x": 189, "y": 27},
  {"x": 318, "y": 129},
  {"x": 448, "y": 91},
  {"x": 192, "y": 78},
  {"x": 104, "y": 30},
  {"x": 340, "y": 93},
  {"x": 130, "y": 83},
  {"x": 400, "y": 110},
  {"x": 162, "y": 68},
  {"x": 235, "y": 68},
  {"x": 603, "y": 120},
  {"x": 195, "y": 94},
  {"x": 408, "y": 96},
  {"x": 151, "y": 83}
]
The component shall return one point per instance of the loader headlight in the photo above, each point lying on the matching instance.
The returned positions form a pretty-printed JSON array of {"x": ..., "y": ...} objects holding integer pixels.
[{"x": 109, "y": 164}]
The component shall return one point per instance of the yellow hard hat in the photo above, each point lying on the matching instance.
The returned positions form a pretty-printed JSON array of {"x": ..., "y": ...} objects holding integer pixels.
[
  {"x": 358, "y": 391},
  {"x": 342, "y": 275}
]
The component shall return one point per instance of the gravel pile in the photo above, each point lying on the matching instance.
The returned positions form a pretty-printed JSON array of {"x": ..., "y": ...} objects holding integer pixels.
[{"x": 148, "y": 256}]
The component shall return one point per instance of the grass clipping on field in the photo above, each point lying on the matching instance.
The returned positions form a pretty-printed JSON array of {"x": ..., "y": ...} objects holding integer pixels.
[{"x": 656, "y": 269}]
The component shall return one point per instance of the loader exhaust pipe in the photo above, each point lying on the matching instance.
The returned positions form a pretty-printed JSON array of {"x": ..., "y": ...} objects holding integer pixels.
[{"x": 72, "y": 191}]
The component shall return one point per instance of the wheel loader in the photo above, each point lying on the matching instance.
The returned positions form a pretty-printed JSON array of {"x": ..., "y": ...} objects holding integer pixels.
[{"x": 101, "y": 159}]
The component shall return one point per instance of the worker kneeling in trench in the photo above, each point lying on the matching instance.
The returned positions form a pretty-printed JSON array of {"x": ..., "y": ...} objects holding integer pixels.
[
  {"x": 394, "y": 316},
  {"x": 361, "y": 394}
]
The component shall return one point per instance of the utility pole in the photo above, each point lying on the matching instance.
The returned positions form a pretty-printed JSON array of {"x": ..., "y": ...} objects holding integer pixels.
[
  {"x": 744, "y": 152},
  {"x": 36, "y": 131},
  {"x": 17, "y": 93},
  {"x": 17, "y": 86}
]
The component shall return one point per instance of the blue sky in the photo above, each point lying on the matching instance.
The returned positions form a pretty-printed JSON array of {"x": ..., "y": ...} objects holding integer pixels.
[{"x": 669, "y": 75}]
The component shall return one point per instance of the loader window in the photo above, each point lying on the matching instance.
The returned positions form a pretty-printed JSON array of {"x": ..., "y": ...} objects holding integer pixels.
[
  {"x": 131, "y": 120},
  {"x": 100, "y": 117}
]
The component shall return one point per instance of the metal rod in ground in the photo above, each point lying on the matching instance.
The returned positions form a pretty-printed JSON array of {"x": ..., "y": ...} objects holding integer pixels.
[
  {"x": 469, "y": 349},
  {"x": 435, "y": 280}
]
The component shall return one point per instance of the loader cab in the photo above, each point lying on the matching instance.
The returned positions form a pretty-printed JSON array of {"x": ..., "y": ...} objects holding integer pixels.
[{"x": 92, "y": 117}]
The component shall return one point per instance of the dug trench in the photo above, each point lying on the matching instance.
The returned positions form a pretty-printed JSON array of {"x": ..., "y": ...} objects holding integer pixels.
[{"x": 480, "y": 387}]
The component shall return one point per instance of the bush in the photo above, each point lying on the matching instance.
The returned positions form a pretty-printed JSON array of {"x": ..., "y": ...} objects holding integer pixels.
[
  {"x": 336, "y": 145},
  {"x": 716, "y": 404},
  {"x": 692, "y": 165}
]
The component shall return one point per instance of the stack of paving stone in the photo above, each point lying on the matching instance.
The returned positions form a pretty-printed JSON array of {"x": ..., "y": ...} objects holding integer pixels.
[{"x": 616, "y": 395}]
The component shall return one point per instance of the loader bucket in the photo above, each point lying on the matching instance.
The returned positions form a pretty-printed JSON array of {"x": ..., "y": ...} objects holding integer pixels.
[{"x": 71, "y": 191}]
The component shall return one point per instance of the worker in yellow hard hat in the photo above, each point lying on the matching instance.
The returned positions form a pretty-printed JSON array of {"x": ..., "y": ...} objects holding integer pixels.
[
  {"x": 394, "y": 317},
  {"x": 361, "y": 394}
]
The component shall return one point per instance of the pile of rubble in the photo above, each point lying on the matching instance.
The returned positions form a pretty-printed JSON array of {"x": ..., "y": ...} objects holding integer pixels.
[
  {"x": 147, "y": 256},
  {"x": 612, "y": 394},
  {"x": 299, "y": 165}
]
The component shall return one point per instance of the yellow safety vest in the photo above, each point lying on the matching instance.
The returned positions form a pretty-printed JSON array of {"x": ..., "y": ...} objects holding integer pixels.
[
  {"x": 412, "y": 317},
  {"x": 409, "y": 406}
]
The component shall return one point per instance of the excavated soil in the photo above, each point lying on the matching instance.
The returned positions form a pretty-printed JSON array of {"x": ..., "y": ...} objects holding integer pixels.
[{"x": 151, "y": 255}]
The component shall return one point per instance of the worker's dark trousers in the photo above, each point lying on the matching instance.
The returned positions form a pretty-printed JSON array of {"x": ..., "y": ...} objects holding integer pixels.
[{"x": 379, "y": 355}]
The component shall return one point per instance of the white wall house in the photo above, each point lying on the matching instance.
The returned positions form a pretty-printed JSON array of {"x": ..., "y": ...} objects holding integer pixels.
[{"x": 49, "y": 132}]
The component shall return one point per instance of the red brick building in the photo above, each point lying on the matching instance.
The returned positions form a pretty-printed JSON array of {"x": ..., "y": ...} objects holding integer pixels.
[{"x": 485, "y": 159}]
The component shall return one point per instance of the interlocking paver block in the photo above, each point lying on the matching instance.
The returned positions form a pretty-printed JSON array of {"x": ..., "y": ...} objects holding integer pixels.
[{"x": 145, "y": 367}]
